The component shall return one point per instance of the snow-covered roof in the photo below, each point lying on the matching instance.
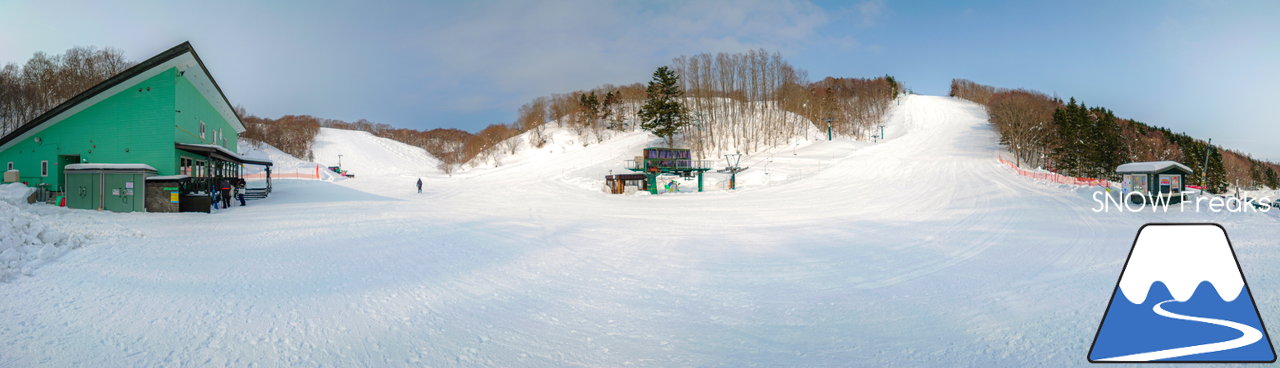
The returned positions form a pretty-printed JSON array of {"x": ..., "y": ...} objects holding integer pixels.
[
  {"x": 168, "y": 177},
  {"x": 1152, "y": 166},
  {"x": 110, "y": 167},
  {"x": 222, "y": 149}
]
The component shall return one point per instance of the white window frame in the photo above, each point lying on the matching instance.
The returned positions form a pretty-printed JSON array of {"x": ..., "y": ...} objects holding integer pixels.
[
  {"x": 44, "y": 168},
  {"x": 201, "y": 130},
  {"x": 9, "y": 166}
]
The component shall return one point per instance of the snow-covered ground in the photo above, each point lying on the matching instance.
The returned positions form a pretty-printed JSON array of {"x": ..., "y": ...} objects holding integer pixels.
[{"x": 919, "y": 251}]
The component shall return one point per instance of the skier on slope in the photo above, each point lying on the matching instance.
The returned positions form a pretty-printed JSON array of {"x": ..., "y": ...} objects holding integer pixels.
[{"x": 419, "y": 185}]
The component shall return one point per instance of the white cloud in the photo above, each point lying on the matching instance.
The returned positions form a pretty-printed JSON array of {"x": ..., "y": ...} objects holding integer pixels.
[
  {"x": 869, "y": 12},
  {"x": 531, "y": 49}
]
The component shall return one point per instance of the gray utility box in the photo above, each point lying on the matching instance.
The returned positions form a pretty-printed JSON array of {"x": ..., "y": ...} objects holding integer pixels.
[{"x": 111, "y": 187}]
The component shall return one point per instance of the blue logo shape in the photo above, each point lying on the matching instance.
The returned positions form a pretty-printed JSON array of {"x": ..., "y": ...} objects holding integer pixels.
[{"x": 1182, "y": 297}]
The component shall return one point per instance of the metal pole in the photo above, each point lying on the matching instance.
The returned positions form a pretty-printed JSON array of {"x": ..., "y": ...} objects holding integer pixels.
[{"x": 1204, "y": 178}]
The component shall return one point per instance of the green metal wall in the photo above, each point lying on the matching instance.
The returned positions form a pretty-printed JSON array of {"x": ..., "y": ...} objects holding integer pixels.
[
  {"x": 128, "y": 127},
  {"x": 191, "y": 109},
  {"x": 137, "y": 125}
]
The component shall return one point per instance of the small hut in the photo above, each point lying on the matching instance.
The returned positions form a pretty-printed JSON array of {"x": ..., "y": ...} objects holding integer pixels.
[
  {"x": 617, "y": 184},
  {"x": 1154, "y": 178}
]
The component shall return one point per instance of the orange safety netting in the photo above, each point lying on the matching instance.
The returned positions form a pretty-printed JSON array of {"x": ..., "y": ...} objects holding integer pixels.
[{"x": 1055, "y": 177}]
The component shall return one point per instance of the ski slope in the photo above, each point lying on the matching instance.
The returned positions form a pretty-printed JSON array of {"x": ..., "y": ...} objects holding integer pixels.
[
  {"x": 918, "y": 251},
  {"x": 367, "y": 155}
]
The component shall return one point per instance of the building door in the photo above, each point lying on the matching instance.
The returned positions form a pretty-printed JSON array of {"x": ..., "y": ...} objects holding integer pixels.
[{"x": 63, "y": 161}]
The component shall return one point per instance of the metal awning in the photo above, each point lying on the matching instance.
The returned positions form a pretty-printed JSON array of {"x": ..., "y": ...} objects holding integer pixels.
[{"x": 220, "y": 153}]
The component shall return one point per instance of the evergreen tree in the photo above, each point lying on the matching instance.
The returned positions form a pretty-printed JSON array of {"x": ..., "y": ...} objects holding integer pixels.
[
  {"x": 1109, "y": 148},
  {"x": 1069, "y": 147},
  {"x": 1217, "y": 172},
  {"x": 663, "y": 114}
]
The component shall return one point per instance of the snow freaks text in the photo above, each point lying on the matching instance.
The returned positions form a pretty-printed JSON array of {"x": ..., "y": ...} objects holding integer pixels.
[{"x": 1139, "y": 202}]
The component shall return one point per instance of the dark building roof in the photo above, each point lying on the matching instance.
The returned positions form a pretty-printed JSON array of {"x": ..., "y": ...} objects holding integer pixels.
[{"x": 115, "y": 80}]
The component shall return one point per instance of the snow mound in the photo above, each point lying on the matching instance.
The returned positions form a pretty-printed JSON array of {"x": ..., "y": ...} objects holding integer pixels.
[
  {"x": 15, "y": 193},
  {"x": 365, "y": 154},
  {"x": 26, "y": 242}
]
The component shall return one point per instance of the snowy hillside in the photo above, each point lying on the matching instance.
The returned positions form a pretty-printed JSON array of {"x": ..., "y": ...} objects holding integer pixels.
[
  {"x": 282, "y": 163},
  {"x": 921, "y": 250},
  {"x": 367, "y": 155},
  {"x": 718, "y": 137}
]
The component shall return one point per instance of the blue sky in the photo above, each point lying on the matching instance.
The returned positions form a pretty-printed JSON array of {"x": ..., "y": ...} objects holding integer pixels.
[{"x": 1208, "y": 68}]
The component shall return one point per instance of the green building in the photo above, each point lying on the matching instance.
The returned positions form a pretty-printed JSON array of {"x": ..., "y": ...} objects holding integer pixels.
[{"x": 166, "y": 112}]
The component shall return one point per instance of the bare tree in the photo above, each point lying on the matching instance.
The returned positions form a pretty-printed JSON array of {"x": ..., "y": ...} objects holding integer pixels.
[{"x": 45, "y": 81}]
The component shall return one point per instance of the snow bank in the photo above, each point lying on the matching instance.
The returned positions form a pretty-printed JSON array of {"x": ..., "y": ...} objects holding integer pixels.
[
  {"x": 26, "y": 242},
  {"x": 15, "y": 193}
]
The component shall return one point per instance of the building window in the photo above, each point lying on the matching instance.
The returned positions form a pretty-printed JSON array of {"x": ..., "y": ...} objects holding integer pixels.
[
  {"x": 44, "y": 168},
  {"x": 1170, "y": 183},
  {"x": 10, "y": 166},
  {"x": 202, "y": 130},
  {"x": 184, "y": 166},
  {"x": 1135, "y": 183}
]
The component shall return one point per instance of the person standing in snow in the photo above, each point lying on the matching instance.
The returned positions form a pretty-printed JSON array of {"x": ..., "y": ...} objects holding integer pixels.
[
  {"x": 419, "y": 185},
  {"x": 240, "y": 191},
  {"x": 213, "y": 194},
  {"x": 224, "y": 187}
]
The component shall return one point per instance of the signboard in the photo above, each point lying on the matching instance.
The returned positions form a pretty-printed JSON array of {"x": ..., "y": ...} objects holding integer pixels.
[
  {"x": 128, "y": 185},
  {"x": 173, "y": 197}
]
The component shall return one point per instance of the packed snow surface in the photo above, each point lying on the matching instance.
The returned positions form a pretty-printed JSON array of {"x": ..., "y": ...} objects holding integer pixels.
[{"x": 919, "y": 251}]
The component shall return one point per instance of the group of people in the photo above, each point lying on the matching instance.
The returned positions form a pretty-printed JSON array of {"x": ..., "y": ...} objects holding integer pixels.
[
  {"x": 673, "y": 186},
  {"x": 224, "y": 190}
]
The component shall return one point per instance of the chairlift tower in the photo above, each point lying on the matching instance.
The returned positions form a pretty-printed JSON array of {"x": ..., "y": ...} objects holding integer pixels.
[
  {"x": 732, "y": 167},
  {"x": 660, "y": 160}
]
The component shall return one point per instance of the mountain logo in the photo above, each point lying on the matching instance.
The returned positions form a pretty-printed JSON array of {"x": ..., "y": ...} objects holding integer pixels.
[{"x": 1182, "y": 297}]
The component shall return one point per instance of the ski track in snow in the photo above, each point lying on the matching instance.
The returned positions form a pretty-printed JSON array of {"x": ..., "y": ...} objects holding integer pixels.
[
  {"x": 1248, "y": 335},
  {"x": 918, "y": 251}
]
